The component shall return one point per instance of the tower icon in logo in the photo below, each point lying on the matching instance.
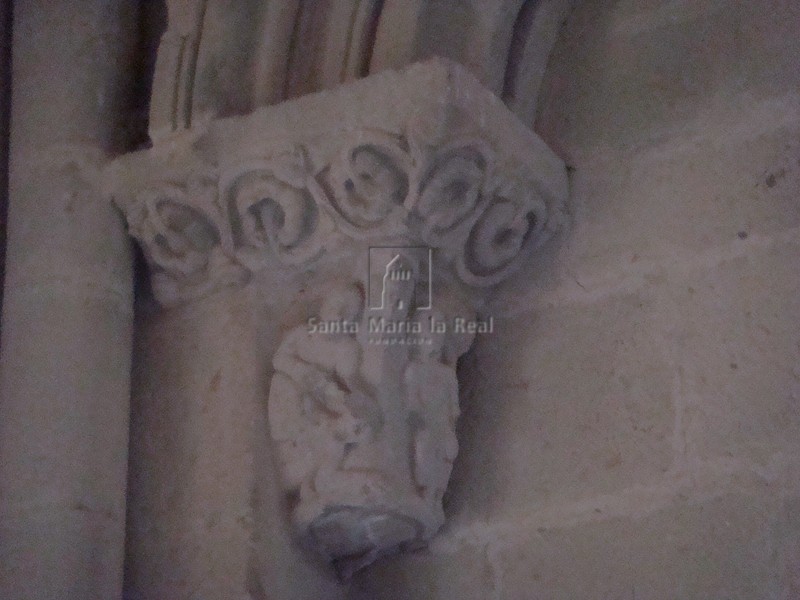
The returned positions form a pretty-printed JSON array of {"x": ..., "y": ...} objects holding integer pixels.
[{"x": 400, "y": 278}]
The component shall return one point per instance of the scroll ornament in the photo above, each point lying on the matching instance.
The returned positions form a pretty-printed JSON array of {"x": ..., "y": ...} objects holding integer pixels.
[{"x": 206, "y": 233}]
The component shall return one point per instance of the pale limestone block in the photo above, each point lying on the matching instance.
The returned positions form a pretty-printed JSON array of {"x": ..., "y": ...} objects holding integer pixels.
[
  {"x": 644, "y": 73},
  {"x": 681, "y": 205},
  {"x": 724, "y": 547},
  {"x": 598, "y": 374},
  {"x": 661, "y": 205},
  {"x": 737, "y": 351},
  {"x": 717, "y": 548}
]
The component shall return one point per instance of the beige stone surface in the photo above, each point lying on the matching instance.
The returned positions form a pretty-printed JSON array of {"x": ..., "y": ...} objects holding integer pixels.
[
  {"x": 489, "y": 37},
  {"x": 554, "y": 381},
  {"x": 628, "y": 430},
  {"x": 737, "y": 355},
  {"x": 5, "y": 115},
  {"x": 688, "y": 67},
  {"x": 694, "y": 197},
  {"x": 205, "y": 515},
  {"x": 67, "y": 311},
  {"x": 466, "y": 573},
  {"x": 721, "y": 547},
  {"x": 632, "y": 433}
]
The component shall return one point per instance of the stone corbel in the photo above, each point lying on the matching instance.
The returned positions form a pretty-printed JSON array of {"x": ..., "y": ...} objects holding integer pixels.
[{"x": 385, "y": 209}]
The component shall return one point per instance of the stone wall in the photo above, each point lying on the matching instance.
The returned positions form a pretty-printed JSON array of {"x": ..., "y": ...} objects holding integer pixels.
[
  {"x": 5, "y": 101},
  {"x": 631, "y": 432}
]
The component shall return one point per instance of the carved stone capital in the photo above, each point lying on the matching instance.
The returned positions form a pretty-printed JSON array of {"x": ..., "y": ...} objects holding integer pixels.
[{"x": 391, "y": 204}]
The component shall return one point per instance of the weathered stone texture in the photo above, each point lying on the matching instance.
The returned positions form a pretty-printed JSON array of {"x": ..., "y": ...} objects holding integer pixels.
[
  {"x": 205, "y": 511},
  {"x": 633, "y": 432},
  {"x": 67, "y": 312},
  {"x": 564, "y": 408},
  {"x": 724, "y": 547}
]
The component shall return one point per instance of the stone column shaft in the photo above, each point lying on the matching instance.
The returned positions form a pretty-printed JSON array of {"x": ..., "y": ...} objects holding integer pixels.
[{"x": 67, "y": 316}]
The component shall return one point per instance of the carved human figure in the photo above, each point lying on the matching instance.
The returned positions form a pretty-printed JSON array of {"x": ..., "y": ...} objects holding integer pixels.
[
  {"x": 317, "y": 405},
  {"x": 336, "y": 453},
  {"x": 431, "y": 393}
]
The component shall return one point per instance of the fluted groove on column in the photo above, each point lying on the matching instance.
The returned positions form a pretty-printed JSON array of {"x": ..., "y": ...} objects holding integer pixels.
[
  {"x": 504, "y": 43},
  {"x": 214, "y": 62}
]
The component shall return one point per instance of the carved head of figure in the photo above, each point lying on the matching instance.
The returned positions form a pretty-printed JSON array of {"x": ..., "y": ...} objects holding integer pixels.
[{"x": 344, "y": 303}]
